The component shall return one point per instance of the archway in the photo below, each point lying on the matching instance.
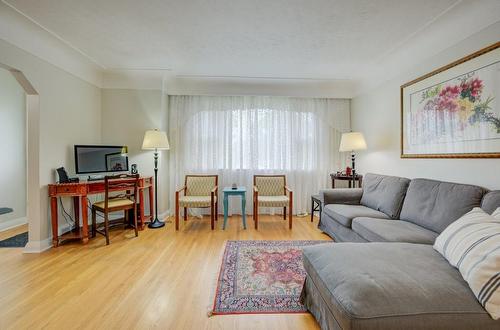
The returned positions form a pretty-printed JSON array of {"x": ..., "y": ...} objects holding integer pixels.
[{"x": 33, "y": 189}]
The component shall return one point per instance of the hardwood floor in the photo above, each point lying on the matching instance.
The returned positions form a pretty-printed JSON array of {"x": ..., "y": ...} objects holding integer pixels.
[{"x": 162, "y": 279}]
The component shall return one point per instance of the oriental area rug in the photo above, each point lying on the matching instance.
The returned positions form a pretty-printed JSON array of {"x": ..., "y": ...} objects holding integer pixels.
[{"x": 259, "y": 277}]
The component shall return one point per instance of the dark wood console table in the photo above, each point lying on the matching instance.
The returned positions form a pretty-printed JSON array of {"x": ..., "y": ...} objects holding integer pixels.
[
  {"x": 343, "y": 177},
  {"x": 79, "y": 192}
]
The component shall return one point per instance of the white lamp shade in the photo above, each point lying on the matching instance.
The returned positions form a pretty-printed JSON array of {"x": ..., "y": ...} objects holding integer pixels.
[
  {"x": 352, "y": 141},
  {"x": 155, "y": 140}
]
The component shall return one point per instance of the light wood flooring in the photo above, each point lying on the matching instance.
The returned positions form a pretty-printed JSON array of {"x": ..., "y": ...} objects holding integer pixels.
[{"x": 162, "y": 279}]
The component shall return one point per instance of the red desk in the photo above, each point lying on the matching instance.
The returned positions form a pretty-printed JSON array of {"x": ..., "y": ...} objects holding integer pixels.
[{"x": 79, "y": 192}]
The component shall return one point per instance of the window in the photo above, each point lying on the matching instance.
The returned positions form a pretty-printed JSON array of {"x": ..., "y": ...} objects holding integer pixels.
[{"x": 259, "y": 139}]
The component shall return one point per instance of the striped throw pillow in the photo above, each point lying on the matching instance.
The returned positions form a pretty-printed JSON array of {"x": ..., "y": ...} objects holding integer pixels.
[{"x": 472, "y": 244}]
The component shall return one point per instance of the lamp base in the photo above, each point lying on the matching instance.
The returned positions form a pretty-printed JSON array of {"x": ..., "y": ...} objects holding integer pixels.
[{"x": 156, "y": 224}]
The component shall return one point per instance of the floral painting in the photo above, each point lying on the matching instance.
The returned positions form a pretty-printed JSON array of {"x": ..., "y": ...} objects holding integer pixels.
[{"x": 455, "y": 112}]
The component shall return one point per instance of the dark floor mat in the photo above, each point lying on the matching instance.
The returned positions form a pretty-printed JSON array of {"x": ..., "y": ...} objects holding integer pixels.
[{"x": 15, "y": 241}]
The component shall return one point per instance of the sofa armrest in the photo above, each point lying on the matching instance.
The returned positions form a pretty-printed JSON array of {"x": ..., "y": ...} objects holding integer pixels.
[{"x": 341, "y": 196}]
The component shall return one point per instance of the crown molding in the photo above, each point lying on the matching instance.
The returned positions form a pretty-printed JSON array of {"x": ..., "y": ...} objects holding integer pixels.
[
  {"x": 227, "y": 85},
  {"x": 24, "y": 33}
]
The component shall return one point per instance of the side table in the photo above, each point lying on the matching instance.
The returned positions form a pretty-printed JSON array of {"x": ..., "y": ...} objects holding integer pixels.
[
  {"x": 240, "y": 191},
  {"x": 343, "y": 177},
  {"x": 316, "y": 206}
]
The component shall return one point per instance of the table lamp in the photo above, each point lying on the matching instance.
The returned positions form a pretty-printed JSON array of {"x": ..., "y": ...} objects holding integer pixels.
[
  {"x": 155, "y": 140},
  {"x": 351, "y": 142}
]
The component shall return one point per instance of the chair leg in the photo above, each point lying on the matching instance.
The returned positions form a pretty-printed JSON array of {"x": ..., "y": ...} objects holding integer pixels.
[
  {"x": 177, "y": 211},
  {"x": 257, "y": 216},
  {"x": 106, "y": 227},
  {"x": 212, "y": 217},
  {"x": 312, "y": 210},
  {"x": 254, "y": 209},
  {"x": 177, "y": 216},
  {"x": 284, "y": 213},
  {"x": 290, "y": 212},
  {"x": 217, "y": 210},
  {"x": 185, "y": 214},
  {"x": 94, "y": 222},
  {"x": 135, "y": 221}
]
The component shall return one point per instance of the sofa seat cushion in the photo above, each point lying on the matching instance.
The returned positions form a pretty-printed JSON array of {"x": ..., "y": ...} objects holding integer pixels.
[
  {"x": 344, "y": 213},
  {"x": 392, "y": 286},
  {"x": 378, "y": 230},
  {"x": 435, "y": 204}
]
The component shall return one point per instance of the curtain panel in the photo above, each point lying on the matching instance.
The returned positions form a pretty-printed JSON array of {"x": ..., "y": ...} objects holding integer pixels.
[{"x": 239, "y": 136}]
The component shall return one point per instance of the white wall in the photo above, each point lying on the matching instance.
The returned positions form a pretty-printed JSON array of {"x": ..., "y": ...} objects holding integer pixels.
[
  {"x": 70, "y": 113},
  {"x": 126, "y": 115},
  {"x": 376, "y": 113},
  {"x": 13, "y": 151}
]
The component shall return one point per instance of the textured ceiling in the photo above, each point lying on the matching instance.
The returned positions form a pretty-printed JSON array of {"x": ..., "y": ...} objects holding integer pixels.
[{"x": 325, "y": 39}]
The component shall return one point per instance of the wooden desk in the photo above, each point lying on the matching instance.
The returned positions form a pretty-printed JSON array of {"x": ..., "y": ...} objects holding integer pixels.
[
  {"x": 344, "y": 177},
  {"x": 79, "y": 192}
]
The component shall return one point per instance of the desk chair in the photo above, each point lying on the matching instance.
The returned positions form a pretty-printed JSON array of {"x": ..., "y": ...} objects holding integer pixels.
[
  {"x": 200, "y": 191},
  {"x": 126, "y": 183},
  {"x": 271, "y": 191}
]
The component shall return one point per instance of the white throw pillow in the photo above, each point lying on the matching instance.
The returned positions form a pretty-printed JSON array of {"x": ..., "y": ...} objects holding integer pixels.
[
  {"x": 472, "y": 244},
  {"x": 496, "y": 213}
]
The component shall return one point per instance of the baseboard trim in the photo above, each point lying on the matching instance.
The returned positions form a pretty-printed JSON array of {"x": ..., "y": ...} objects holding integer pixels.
[
  {"x": 164, "y": 215},
  {"x": 38, "y": 246},
  {"x": 13, "y": 223}
]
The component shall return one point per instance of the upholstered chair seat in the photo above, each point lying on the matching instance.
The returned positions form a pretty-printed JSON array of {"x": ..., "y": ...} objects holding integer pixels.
[
  {"x": 273, "y": 201},
  {"x": 195, "y": 201}
]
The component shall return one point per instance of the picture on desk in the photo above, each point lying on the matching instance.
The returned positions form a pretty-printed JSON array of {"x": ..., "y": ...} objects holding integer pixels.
[{"x": 116, "y": 162}]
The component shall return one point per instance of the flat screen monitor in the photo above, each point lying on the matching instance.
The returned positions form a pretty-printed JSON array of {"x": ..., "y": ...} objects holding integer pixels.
[{"x": 100, "y": 159}]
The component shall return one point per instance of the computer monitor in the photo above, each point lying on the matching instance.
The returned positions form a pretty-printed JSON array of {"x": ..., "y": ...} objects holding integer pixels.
[{"x": 100, "y": 159}]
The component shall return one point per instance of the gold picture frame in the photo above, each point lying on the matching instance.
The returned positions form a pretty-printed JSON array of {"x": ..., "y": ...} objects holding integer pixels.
[{"x": 451, "y": 112}]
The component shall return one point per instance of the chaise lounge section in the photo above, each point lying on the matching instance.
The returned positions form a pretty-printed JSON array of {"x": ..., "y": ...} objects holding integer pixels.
[
  {"x": 388, "y": 286},
  {"x": 396, "y": 280}
]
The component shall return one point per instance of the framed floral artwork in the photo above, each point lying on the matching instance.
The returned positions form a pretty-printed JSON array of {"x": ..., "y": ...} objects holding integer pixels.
[{"x": 454, "y": 111}]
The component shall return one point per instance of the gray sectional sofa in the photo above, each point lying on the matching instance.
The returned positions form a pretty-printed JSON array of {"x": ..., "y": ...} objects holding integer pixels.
[{"x": 394, "y": 279}]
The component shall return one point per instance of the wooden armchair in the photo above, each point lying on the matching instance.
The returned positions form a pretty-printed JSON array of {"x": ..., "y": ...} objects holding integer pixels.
[
  {"x": 200, "y": 191},
  {"x": 112, "y": 203},
  {"x": 271, "y": 191}
]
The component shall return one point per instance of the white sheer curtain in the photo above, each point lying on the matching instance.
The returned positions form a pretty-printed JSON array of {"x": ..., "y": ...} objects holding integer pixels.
[{"x": 239, "y": 136}]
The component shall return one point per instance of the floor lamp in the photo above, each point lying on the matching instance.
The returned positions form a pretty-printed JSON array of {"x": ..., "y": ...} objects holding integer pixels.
[
  {"x": 351, "y": 142},
  {"x": 155, "y": 140}
]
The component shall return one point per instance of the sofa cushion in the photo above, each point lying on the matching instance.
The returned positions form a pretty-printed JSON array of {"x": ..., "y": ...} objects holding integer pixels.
[
  {"x": 435, "y": 204},
  {"x": 344, "y": 213},
  {"x": 491, "y": 201},
  {"x": 392, "y": 286},
  {"x": 384, "y": 193},
  {"x": 377, "y": 230}
]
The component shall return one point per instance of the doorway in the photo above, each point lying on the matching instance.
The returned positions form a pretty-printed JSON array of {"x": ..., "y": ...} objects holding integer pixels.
[{"x": 23, "y": 141}]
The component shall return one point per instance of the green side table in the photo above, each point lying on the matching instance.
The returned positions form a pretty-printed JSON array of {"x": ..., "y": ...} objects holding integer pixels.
[{"x": 240, "y": 191}]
